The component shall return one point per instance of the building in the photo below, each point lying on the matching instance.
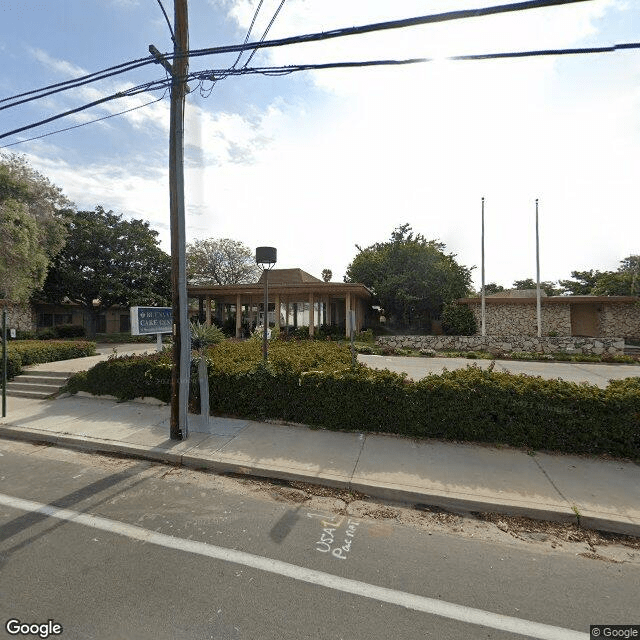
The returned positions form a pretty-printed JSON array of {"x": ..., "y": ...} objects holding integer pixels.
[
  {"x": 515, "y": 313},
  {"x": 296, "y": 299}
]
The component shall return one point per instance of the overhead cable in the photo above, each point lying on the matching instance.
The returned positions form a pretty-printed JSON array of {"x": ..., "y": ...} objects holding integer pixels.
[
  {"x": 312, "y": 37},
  {"x": 285, "y": 70}
]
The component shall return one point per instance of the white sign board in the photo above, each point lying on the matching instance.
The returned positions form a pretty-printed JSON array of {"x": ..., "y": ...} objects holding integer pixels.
[{"x": 149, "y": 320}]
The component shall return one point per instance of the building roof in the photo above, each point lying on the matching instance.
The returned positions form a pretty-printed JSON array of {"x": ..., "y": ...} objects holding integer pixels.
[
  {"x": 545, "y": 300},
  {"x": 288, "y": 276},
  {"x": 517, "y": 293}
]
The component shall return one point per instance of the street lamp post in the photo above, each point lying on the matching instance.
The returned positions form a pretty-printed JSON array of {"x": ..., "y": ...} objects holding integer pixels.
[{"x": 266, "y": 257}]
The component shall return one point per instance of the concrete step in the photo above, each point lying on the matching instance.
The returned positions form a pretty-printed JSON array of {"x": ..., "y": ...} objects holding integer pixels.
[
  {"x": 42, "y": 373},
  {"x": 19, "y": 385},
  {"x": 49, "y": 380},
  {"x": 35, "y": 395}
]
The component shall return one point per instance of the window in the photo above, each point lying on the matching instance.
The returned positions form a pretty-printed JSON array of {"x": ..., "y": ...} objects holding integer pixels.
[
  {"x": 101, "y": 324},
  {"x": 45, "y": 320},
  {"x": 125, "y": 323},
  {"x": 62, "y": 318}
]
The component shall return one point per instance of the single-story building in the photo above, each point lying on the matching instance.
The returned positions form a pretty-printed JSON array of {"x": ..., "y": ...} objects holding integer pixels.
[
  {"x": 515, "y": 313},
  {"x": 296, "y": 298}
]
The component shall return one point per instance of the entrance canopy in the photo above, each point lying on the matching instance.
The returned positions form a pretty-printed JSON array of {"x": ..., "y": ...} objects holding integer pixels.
[{"x": 296, "y": 298}]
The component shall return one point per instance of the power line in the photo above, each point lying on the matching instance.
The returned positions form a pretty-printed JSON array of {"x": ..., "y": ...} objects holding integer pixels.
[
  {"x": 246, "y": 38},
  {"x": 391, "y": 24},
  {"x": 266, "y": 31},
  {"x": 312, "y": 37},
  {"x": 285, "y": 70},
  {"x": 84, "y": 124},
  {"x": 166, "y": 17}
]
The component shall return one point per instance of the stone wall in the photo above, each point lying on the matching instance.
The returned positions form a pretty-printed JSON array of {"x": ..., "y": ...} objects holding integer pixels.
[
  {"x": 522, "y": 319},
  {"x": 19, "y": 317},
  {"x": 507, "y": 344},
  {"x": 621, "y": 320}
]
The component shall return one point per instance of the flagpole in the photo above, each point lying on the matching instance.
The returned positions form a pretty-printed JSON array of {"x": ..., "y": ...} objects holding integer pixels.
[
  {"x": 538, "y": 301},
  {"x": 482, "y": 294}
]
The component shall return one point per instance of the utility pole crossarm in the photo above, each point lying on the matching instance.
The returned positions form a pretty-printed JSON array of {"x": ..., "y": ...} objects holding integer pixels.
[{"x": 160, "y": 59}]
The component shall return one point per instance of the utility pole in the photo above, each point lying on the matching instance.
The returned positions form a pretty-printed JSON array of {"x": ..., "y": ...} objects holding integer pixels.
[{"x": 181, "y": 352}]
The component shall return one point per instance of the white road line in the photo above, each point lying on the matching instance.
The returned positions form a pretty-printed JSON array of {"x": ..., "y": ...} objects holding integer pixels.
[{"x": 311, "y": 576}]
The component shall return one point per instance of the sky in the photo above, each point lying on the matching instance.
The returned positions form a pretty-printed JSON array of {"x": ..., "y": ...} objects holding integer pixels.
[{"x": 317, "y": 162}]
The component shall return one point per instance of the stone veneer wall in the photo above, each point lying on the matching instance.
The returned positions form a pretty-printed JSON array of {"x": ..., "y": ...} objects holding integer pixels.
[
  {"x": 522, "y": 319},
  {"x": 19, "y": 317},
  {"x": 619, "y": 319},
  {"x": 507, "y": 344}
]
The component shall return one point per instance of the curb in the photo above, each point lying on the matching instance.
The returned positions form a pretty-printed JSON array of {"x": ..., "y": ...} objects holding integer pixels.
[{"x": 457, "y": 503}]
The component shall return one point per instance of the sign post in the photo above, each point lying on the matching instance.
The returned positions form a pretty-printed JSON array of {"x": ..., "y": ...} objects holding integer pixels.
[{"x": 4, "y": 363}]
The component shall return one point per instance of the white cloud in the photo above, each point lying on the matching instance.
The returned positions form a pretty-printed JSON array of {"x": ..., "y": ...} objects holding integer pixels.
[{"x": 369, "y": 149}]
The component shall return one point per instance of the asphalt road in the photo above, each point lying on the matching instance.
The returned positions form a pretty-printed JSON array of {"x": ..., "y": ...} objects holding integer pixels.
[
  {"x": 416, "y": 368},
  {"x": 113, "y": 548}
]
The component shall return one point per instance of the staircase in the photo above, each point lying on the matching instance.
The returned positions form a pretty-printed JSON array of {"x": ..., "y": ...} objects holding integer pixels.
[
  {"x": 631, "y": 350},
  {"x": 37, "y": 384}
]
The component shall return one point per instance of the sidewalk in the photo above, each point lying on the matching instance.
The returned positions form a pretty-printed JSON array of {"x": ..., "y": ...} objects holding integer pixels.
[{"x": 464, "y": 477}]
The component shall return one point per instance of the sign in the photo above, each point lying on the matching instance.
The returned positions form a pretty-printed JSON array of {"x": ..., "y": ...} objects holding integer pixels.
[{"x": 147, "y": 320}]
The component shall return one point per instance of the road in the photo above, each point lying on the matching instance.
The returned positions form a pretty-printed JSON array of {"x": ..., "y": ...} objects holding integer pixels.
[
  {"x": 115, "y": 548},
  {"x": 416, "y": 368}
]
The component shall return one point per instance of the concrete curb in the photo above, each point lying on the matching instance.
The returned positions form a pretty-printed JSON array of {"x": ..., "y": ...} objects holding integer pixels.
[{"x": 181, "y": 454}]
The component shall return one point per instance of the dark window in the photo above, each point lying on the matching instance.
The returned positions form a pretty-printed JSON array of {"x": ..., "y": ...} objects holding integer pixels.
[
  {"x": 62, "y": 318},
  {"x": 101, "y": 324},
  {"x": 45, "y": 320},
  {"x": 125, "y": 323}
]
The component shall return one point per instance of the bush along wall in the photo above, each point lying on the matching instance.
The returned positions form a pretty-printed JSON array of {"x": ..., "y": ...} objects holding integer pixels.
[
  {"x": 315, "y": 385},
  {"x": 25, "y": 352}
]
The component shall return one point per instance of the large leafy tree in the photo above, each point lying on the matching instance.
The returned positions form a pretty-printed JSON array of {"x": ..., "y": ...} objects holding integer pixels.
[
  {"x": 623, "y": 282},
  {"x": 31, "y": 226},
  {"x": 548, "y": 287},
  {"x": 221, "y": 261},
  {"x": 109, "y": 261},
  {"x": 412, "y": 277}
]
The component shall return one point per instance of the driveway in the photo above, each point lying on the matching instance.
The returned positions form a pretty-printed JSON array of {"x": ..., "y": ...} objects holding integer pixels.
[{"x": 416, "y": 368}]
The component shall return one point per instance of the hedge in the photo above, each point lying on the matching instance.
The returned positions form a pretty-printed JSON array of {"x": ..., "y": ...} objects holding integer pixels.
[
  {"x": 25, "y": 352},
  {"x": 313, "y": 383}
]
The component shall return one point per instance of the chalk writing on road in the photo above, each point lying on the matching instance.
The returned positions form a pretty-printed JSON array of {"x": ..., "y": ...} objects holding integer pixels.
[{"x": 336, "y": 536}]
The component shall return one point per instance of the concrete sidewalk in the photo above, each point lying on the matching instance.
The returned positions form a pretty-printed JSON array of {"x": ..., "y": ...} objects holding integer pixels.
[{"x": 600, "y": 494}]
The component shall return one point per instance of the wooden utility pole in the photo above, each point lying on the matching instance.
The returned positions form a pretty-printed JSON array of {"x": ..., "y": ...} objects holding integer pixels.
[{"x": 181, "y": 352}]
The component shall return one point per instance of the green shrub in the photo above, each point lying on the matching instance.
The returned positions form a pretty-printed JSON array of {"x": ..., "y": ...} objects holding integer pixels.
[
  {"x": 458, "y": 320},
  {"x": 314, "y": 383},
  {"x": 70, "y": 331},
  {"x": 113, "y": 338},
  {"x": 26, "y": 335},
  {"x": 46, "y": 334},
  {"x": 14, "y": 364},
  {"x": 36, "y": 351}
]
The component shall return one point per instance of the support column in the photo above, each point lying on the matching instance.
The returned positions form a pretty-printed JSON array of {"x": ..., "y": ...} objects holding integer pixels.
[
  {"x": 276, "y": 307},
  {"x": 207, "y": 311},
  {"x": 347, "y": 309},
  {"x": 238, "y": 316},
  {"x": 311, "y": 315}
]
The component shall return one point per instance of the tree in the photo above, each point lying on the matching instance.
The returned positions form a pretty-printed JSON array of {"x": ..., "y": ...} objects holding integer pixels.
[
  {"x": 108, "y": 261},
  {"x": 548, "y": 287},
  {"x": 582, "y": 284},
  {"x": 31, "y": 226},
  {"x": 458, "y": 320},
  {"x": 221, "y": 261},
  {"x": 623, "y": 282},
  {"x": 411, "y": 277},
  {"x": 491, "y": 288},
  {"x": 327, "y": 274}
]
